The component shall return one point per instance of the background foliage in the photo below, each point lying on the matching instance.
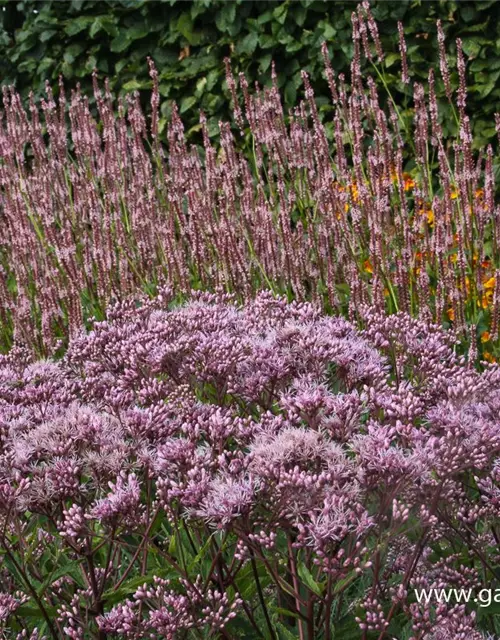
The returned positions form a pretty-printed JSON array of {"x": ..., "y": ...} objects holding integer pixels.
[{"x": 188, "y": 40}]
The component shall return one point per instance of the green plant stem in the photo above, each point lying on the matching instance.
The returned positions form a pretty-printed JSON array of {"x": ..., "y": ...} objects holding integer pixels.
[
  {"x": 30, "y": 588},
  {"x": 260, "y": 594}
]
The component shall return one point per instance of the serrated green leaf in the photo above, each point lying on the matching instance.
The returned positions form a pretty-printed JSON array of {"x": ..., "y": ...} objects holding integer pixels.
[
  {"x": 68, "y": 569},
  {"x": 284, "y": 633},
  {"x": 308, "y": 579}
]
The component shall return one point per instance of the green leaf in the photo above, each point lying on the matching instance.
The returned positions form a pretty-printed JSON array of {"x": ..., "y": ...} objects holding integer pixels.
[
  {"x": 266, "y": 41},
  {"x": 290, "y": 94},
  {"x": 391, "y": 58},
  {"x": 77, "y": 25},
  {"x": 31, "y": 611},
  {"x": 347, "y": 629},
  {"x": 77, "y": 4},
  {"x": 308, "y": 579},
  {"x": 265, "y": 62},
  {"x": 201, "y": 553},
  {"x": 134, "y": 85},
  {"x": 286, "y": 612},
  {"x": 248, "y": 44},
  {"x": 341, "y": 584},
  {"x": 284, "y": 633},
  {"x": 132, "y": 4},
  {"x": 245, "y": 580},
  {"x": 329, "y": 30},
  {"x": 471, "y": 47},
  {"x": 294, "y": 46},
  {"x": 467, "y": 12},
  {"x": 265, "y": 17},
  {"x": 67, "y": 569},
  {"x": 299, "y": 14},
  {"x": 226, "y": 16},
  {"x": 130, "y": 586},
  {"x": 120, "y": 43},
  {"x": 96, "y": 27},
  {"x": 47, "y": 35},
  {"x": 280, "y": 13},
  {"x": 485, "y": 89},
  {"x": 137, "y": 32},
  {"x": 185, "y": 27},
  {"x": 200, "y": 86}
]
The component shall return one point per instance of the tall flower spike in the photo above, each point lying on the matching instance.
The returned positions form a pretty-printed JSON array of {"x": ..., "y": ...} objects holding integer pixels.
[
  {"x": 405, "y": 78},
  {"x": 443, "y": 63}
]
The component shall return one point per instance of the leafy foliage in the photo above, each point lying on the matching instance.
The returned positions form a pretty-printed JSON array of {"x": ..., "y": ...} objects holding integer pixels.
[{"x": 188, "y": 41}]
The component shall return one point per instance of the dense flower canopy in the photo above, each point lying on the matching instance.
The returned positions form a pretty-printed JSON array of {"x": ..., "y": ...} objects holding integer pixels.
[{"x": 278, "y": 428}]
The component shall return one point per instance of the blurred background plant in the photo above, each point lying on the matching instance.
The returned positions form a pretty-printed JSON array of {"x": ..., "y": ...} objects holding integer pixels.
[
  {"x": 374, "y": 205},
  {"x": 188, "y": 41}
]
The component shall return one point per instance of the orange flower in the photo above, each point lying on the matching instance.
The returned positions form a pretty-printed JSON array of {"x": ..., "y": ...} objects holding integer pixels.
[
  {"x": 421, "y": 255},
  {"x": 346, "y": 209},
  {"x": 428, "y": 213},
  {"x": 479, "y": 193},
  {"x": 367, "y": 266},
  {"x": 489, "y": 285},
  {"x": 451, "y": 314},
  {"x": 487, "y": 356},
  {"x": 353, "y": 188},
  {"x": 485, "y": 336},
  {"x": 409, "y": 182},
  {"x": 454, "y": 193},
  {"x": 486, "y": 300}
]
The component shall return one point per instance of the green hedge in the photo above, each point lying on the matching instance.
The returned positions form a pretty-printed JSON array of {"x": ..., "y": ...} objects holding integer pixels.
[{"x": 188, "y": 40}]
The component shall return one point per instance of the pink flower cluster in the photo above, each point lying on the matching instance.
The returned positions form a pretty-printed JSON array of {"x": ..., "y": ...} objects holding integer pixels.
[{"x": 265, "y": 437}]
